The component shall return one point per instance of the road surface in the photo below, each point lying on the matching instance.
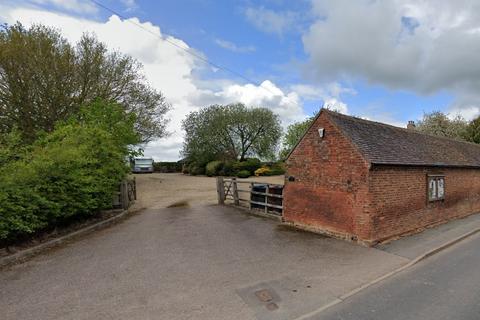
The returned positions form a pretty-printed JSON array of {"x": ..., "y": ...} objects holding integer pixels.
[
  {"x": 445, "y": 286},
  {"x": 199, "y": 262}
]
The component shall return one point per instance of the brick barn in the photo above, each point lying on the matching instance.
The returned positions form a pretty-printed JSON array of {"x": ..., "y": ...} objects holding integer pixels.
[{"x": 368, "y": 181}]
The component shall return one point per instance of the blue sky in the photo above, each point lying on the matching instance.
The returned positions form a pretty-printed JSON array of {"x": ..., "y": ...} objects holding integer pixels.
[{"x": 389, "y": 61}]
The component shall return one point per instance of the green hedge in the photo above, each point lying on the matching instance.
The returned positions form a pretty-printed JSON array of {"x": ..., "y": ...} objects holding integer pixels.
[
  {"x": 196, "y": 169},
  {"x": 214, "y": 168},
  {"x": 167, "y": 167},
  {"x": 72, "y": 172},
  {"x": 232, "y": 168},
  {"x": 249, "y": 165},
  {"x": 243, "y": 174},
  {"x": 276, "y": 169},
  {"x": 227, "y": 169}
]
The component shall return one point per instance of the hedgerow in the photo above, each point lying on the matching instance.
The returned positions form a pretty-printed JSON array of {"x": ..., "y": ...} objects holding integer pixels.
[
  {"x": 213, "y": 168},
  {"x": 71, "y": 172}
]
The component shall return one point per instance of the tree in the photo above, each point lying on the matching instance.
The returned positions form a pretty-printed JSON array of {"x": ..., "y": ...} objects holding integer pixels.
[
  {"x": 44, "y": 79},
  {"x": 36, "y": 79},
  {"x": 472, "y": 133},
  {"x": 112, "y": 76},
  {"x": 230, "y": 132},
  {"x": 439, "y": 124},
  {"x": 294, "y": 133}
]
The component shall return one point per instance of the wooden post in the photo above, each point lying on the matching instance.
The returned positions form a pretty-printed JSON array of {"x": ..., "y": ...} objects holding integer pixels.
[
  {"x": 127, "y": 199},
  {"x": 251, "y": 194},
  {"x": 266, "y": 198},
  {"x": 220, "y": 190},
  {"x": 123, "y": 198},
  {"x": 236, "y": 200},
  {"x": 135, "y": 188}
]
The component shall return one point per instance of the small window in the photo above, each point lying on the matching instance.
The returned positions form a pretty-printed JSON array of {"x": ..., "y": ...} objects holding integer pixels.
[{"x": 436, "y": 187}]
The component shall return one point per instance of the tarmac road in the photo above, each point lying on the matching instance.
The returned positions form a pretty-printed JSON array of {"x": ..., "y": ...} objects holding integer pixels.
[
  {"x": 445, "y": 286},
  {"x": 199, "y": 262}
]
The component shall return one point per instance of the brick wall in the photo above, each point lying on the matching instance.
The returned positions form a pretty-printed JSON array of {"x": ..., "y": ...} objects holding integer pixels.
[
  {"x": 330, "y": 191},
  {"x": 335, "y": 191},
  {"x": 400, "y": 203}
]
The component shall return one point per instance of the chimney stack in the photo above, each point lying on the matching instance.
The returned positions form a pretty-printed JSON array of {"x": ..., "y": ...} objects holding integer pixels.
[{"x": 411, "y": 125}]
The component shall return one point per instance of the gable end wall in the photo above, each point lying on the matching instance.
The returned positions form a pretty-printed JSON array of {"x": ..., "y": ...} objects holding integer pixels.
[{"x": 330, "y": 191}]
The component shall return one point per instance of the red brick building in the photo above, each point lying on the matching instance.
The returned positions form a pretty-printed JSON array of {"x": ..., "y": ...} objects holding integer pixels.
[{"x": 368, "y": 181}]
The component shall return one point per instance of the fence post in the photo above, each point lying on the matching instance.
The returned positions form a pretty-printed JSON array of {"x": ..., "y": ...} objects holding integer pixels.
[
  {"x": 251, "y": 195},
  {"x": 267, "y": 191},
  {"x": 220, "y": 190},
  {"x": 236, "y": 200},
  {"x": 122, "y": 195},
  {"x": 135, "y": 188}
]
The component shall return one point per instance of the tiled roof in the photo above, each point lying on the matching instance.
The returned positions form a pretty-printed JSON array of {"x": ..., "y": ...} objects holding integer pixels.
[{"x": 380, "y": 143}]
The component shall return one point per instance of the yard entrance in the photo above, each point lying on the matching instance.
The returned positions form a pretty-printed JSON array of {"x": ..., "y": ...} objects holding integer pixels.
[
  {"x": 162, "y": 190},
  {"x": 263, "y": 197}
]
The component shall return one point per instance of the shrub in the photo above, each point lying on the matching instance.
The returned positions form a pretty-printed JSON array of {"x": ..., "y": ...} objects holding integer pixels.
[
  {"x": 280, "y": 165},
  {"x": 24, "y": 210},
  {"x": 185, "y": 169},
  {"x": 167, "y": 167},
  {"x": 227, "y": 169},
  {"x": 262, "y": 171},
  {"x": 274, "y": 172},
  {"x": 249, "y": 165},
  {"x": 213, "y": 168},
  {"x": 243, "y": 174},
  {"x": 274, "y": 169},
  {"x": 196, "y": 169},
  {"x": 70, "y": 173}
]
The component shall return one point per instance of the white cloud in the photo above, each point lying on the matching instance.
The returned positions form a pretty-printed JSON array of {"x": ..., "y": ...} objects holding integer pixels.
[
  {"x": 233, "y": 47},
  {"x": 130, "y": 4},
  {"x": 287, "y": 105},
  {"x": 80, "y": 6},
  {"x": 330, "y": 94},
  {"x": 385, "y": 118},
  {"x": 270, "y": 21},
  {"x": 335, "y": 105},
  {"x": 425, "y": 46},
  {"x": 467, "y": 112},
  {"x": 324, "y": 92}
]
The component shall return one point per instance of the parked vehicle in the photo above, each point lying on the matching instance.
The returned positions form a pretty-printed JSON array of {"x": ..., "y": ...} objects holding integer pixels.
[{"x": 142, "y": 165}]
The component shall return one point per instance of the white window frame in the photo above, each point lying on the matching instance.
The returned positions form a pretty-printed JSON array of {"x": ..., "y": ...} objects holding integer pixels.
[{"x": 435, "y": 187}]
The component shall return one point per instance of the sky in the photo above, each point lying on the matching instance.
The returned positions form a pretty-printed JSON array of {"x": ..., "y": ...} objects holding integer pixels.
[{"x": 388, "y": 61}]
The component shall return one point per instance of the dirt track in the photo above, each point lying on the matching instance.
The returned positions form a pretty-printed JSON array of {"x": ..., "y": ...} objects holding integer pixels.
[{"x": 161, "y": 190}]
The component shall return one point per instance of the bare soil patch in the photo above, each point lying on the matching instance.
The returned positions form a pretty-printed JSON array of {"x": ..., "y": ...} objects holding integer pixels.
[{"x": 162, "y": 190}]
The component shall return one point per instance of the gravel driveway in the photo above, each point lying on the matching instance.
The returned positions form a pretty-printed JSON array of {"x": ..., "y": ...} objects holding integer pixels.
[{"x": 160, "y": 190}]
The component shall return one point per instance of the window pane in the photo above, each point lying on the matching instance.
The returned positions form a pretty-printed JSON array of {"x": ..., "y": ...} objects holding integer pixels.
[
  {"x": 432, "y": 192},
  {"x": 440, "y": 188}
]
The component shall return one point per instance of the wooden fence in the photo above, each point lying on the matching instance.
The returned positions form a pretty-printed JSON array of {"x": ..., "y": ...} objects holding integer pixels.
[
  {"x": 126, "y": 195},
  {"x": 252, "y": 194}
]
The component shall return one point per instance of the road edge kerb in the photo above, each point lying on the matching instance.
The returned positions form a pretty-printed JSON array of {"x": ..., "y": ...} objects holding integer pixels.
[
  {"x": 413, "y": 262},
  {"x": 30, "y": 252}
]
